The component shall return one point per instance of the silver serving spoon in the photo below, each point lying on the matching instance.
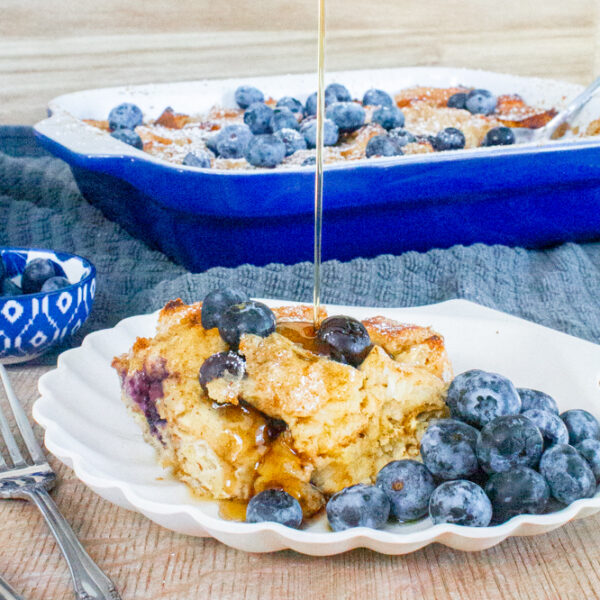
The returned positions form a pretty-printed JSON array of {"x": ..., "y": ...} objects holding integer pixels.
[{"x": 524, "y": 135}]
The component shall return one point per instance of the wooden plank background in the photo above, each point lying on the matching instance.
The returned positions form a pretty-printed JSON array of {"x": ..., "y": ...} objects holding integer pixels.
[{"x": 50, "y": 47}]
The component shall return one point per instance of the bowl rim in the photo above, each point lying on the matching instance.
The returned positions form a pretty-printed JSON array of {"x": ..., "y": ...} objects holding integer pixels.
[{"x": 86, "y": 263}]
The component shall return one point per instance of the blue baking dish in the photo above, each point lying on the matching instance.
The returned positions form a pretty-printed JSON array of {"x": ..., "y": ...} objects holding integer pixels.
[{"x": 530, "y": 195}]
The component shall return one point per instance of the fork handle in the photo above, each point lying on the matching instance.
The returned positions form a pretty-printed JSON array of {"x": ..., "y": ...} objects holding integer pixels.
[{"x": 89, "y": 581}]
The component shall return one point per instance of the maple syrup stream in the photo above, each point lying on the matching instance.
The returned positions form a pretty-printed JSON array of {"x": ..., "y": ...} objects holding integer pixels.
[{"x": 319, "y": 165}]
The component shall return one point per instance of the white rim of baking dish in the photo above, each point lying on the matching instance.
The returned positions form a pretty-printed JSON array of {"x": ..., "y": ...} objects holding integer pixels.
[{"x": 68, "y": 130}]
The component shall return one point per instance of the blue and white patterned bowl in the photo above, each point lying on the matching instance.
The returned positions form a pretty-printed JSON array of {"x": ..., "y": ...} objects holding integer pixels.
[{"x": 31, "y": 324}]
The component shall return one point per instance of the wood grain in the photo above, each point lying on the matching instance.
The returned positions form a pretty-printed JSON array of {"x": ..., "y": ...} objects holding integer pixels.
[
  {"x": 50, "y": 47},
  {"x": 148, "y": 562}
]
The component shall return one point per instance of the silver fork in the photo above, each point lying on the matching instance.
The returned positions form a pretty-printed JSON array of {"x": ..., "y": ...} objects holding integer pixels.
[{"x": 31, "y": 481}]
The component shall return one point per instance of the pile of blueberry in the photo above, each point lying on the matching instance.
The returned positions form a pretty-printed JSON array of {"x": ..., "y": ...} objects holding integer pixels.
[
  {"x": 39, "y": 275},
  {"x": 268, "y": 134},
  {"x": 504, "y": 452}
]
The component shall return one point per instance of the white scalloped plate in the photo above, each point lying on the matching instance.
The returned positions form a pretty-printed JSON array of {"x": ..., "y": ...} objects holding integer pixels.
[{"x": 89, "y": 429}]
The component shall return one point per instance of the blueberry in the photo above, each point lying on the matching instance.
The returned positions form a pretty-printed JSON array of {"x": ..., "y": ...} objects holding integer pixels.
[
  {"x": 480, "y": 102},
  {"x": 383, "y": 145},
  {"x": 477, "y": 397},
  {"x": 462, "y": 503},
  {"x": 125, "y": 116},
  {"x": 212, "y": 141},
  {"x": 222, "y": 364},
  {"x": 294, "y": 105},
  {"x": 292, "y": 140},
  {"x": 448, "y": 449},
  {"x": 284, "y": 118},
  {"x": 508, "y": 442},
  {"x": 346, "y": 339},
  {"x": 553, "y": 430},
  {"x": 536, "y": 399},
  {"x": 246, "y": 317},
  {"x": 375, "y": 97},
  {"x": 590, "y": 450},
  {"x": 568, "y": 474},
  {"x": 402, "y": 136},
  {"x": 55, "y": 283},
  {"x": 339, "y": 92},
  {"x": 265, "y": 151},
  {"x": 499, "y": 136},
  {"x": 358, "y": 506},
  {"x": 36, "y": 272},
  {"x": 274, "y": 505},
  {"x": 310, "y": 108},
  {"x": 8, "y": 288},
  {"x": 581, "y": 425},
  {"x": 389, "y": 117},
  {"x": 259, "y": 117},
  {"x": 348, "y": 116},
  {"x": 457, "y": 100},
  {"x": 330, "y": 132},
  {"x": 408, "y": 484},
  {"x": 521, "y": 491},
  {"x": 246, "y": 95},
  {"x": 217, "y": 302},
  {"x": 233, "y": 140},
  {"x": 449, "y": 139},
  {"x": 128, "y": 136},
  {"x": 199, "y": 159},
  {"x": 309, "y": 160}
]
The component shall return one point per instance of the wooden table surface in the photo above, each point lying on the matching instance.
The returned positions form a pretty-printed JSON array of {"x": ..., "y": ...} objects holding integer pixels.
[
  {"x": 150, "y": 563},
  {"x": 51, "y": 47}
]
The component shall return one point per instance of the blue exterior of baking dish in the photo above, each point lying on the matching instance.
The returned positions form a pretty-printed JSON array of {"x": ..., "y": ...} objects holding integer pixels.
[{"x": 519, "y": 196}]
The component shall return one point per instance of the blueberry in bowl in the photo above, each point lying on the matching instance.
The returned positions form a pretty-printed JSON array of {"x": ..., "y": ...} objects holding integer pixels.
[
  {"x": 276, "y": 506},
  {"x": 450, "y": 138},
  {"x": 375, "y": 97},
  {"x": 581, "y": 425},
  {"x": 460, "y": 502},
  {"x": 508, "y": 442},
  {"x": 245, "y": 95},
  {"x": 408, "y": 484},
  {"x": 383, "y": 145},
  {"x": 517, "y": 492},
  {"x": 359, "y": 505},
  {"x": 534, "y": 399},
  {"x": 125, "y": 116},
  {"x": 568, "y": 474},
  {"x": 389, "y": 117},
  {"x": 348, "y": 116},
  {"x": 34, "y": 319},
  {"x": 448, "y": 449},
  {"x": 477, "y": 397}
]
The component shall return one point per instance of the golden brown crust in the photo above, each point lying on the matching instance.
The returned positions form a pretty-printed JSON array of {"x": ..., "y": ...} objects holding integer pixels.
[{"x": 343, "y": 423}]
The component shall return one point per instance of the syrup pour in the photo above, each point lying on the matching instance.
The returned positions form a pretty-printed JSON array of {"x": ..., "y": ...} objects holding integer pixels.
[{"x": 319, "y": 165}]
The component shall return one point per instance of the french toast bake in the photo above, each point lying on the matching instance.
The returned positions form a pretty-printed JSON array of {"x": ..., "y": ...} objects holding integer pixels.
[
  {"x": 425, "y": 113},
  {"x": 293, "y": 417}
]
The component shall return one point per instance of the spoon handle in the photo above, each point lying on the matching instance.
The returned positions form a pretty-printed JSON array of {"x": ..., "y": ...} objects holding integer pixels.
[{"x": 573, "y": 108}]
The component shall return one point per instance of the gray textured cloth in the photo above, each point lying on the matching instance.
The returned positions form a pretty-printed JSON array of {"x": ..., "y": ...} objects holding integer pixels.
[{"x": 40, "y": 205}]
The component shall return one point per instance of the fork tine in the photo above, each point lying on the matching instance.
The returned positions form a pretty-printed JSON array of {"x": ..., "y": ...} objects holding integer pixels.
[
  {"x": 10, "y": 442},
  {"x": 22, "y": 423}
]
